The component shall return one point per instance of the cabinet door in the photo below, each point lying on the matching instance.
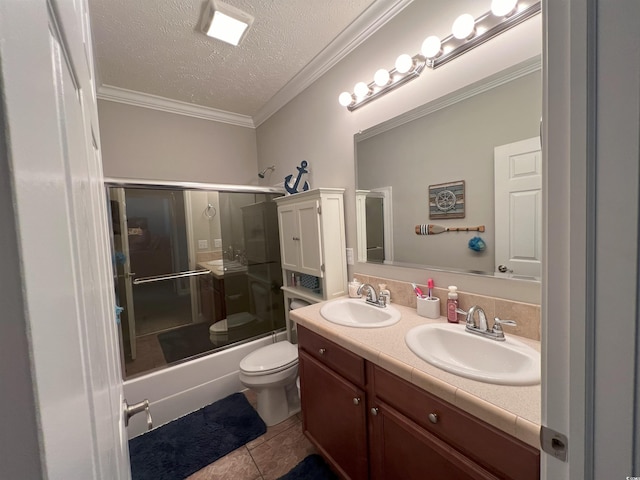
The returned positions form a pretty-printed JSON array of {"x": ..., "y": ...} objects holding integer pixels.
[
  {"x": 334, "y": 417},
  {"x": 310, "y": 260},
  {"x": 401, "y": 449},
  {"x": 289, "y": 238}
]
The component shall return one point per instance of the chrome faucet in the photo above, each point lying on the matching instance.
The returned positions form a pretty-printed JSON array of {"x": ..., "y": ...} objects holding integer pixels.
[
  {"x": 482, "y": 328},
  {"x": 372, "y": 296}
]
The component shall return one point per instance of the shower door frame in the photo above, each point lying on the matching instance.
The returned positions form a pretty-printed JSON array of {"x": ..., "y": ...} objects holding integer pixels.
[{"x": 123, "y": 183}]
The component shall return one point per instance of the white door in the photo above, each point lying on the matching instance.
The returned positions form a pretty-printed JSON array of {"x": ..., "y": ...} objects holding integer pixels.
[
  {"x": 60, "y": 215},
  {"x": 518, "y": 207}
]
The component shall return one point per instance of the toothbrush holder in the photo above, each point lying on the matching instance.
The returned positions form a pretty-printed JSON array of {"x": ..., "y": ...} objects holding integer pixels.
[{"x": 428, "y": 307}]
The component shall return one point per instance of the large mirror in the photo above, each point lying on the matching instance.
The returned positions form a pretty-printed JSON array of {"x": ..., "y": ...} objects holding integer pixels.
[{"x": 470, "y": 160}]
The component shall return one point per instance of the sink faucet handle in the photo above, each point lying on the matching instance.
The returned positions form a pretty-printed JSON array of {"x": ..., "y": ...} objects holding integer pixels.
[{"x": 497, "y": 324}]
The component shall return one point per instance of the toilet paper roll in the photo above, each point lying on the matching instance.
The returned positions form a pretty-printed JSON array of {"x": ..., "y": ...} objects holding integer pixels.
[
  {"x": 297, "y": 303},
  {"x": 428, "y": 307}
]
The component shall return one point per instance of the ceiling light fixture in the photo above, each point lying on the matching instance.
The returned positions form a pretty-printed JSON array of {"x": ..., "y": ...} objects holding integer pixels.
[
  {"x": 225, "y": 22},
  {"x": 467, "y": 33}
]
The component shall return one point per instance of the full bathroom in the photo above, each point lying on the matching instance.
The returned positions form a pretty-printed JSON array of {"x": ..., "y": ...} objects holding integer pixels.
[
  {"x": 373, "y": 183},
  {"x": 364, "y": 247}
]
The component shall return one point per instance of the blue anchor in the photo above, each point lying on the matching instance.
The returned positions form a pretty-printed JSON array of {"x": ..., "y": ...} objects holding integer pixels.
[{"x": 302, "y": 169}]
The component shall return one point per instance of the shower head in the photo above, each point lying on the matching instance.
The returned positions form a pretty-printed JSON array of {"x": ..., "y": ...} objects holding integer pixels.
[{"x": 262, "y": 173}]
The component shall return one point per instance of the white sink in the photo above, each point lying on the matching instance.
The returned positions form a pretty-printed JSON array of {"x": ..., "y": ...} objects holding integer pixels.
[
  {"x": 451, "y": 348},
  {"x": 216, "y": 263},
  {"x": 354, "y": 312}
]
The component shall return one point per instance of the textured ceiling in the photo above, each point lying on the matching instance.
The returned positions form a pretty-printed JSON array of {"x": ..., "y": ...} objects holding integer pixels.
[{"x": 155, "y": 47}]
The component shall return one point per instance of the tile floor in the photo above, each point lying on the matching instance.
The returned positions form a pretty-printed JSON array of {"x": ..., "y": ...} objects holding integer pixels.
[{"x": 267, "y": 457}]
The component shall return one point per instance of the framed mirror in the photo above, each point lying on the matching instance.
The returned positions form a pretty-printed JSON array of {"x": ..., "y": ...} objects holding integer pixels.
[{"x": 455, "y": 184}]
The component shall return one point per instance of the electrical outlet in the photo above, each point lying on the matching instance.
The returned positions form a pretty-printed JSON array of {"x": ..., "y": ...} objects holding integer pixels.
[
  {"x": 203, "y": 244},
  {"x": 349, "y": 256},
  {"x": 217, "y": 243}
]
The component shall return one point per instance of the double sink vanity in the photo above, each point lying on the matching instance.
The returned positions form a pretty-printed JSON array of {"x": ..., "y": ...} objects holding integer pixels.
[{"x": 389, "y": 394}]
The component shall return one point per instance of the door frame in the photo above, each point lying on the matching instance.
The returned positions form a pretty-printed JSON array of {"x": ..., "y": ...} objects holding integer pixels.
[{"x": 64, "y": 404}]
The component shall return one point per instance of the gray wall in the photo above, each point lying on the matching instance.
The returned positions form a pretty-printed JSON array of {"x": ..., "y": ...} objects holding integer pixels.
[
  {"x": 314, "y": 127},
  {"x": 149, "y": 144},
  {"x": 452, "y": 144}
]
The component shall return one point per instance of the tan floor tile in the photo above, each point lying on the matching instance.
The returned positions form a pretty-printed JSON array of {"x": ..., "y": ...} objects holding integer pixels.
[
  {"x": 274, "y": 430},
  {"x": 281, "y": 453},
  {"x": 237, "y": 465}
]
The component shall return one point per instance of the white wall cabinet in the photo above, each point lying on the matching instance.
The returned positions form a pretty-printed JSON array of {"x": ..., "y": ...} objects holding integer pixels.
[{"x": 312, "y": 242}]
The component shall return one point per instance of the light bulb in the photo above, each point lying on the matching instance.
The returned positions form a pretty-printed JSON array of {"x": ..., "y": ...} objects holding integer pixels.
[
  {"x": 345, "y": 99},
  {"x": 381, "y": 77},
  {"x": 503, "y": 8},
  {"x": 463, "y": 27},
  {"x": 361, "y": 89},
  {"x": 404, "y": 63},
  {"x": 431, "y": 47}
]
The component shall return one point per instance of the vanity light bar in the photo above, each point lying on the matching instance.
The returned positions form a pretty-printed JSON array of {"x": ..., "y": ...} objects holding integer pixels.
[
  {"x": 487, "y": 26},
  {"x": 484, "y": 28},
  {"x": 396, "y": 79}
]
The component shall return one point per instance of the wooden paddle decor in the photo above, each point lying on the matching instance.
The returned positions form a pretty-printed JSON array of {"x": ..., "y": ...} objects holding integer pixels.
[{"x": 431, "y": 229}]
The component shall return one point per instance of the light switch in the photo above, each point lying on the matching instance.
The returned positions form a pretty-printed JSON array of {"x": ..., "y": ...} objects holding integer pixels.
[
  {"x": 217, "y": 243},
  {"x": 349, "y": 256},
  {"x": 203, "y": 244}
]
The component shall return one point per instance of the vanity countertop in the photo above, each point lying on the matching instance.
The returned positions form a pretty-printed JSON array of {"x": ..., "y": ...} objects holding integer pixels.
[
  {"x": 512, "y": 409},
  {"x": 218, "y": 270}
]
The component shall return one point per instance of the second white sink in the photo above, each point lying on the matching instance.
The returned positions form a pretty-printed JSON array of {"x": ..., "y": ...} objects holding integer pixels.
[
  {"x": 354, "y": 312},
  {"x": 451, "y": 348}
]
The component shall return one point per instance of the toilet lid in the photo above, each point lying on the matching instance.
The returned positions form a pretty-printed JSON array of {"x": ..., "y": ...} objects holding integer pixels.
[{"x": 276, "y": 356}]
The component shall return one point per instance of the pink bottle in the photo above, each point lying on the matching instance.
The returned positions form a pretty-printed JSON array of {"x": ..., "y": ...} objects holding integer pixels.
[{"x": 452, "y": 305}]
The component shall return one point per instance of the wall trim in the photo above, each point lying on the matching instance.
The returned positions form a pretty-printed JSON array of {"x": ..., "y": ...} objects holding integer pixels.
[
  {"x": 374, "y": 18},
  {"x": 371, "y": 20},
  {"x": 155, "y": 102}
]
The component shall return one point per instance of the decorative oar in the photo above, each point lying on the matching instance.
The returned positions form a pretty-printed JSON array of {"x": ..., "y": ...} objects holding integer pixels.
[{"x": 432, "y": 229}]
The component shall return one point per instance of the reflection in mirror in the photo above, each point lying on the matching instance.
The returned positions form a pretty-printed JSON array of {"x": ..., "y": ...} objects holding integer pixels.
[
  {"x": 197, "y": 271},
  {"x": 457, "y": 140}
]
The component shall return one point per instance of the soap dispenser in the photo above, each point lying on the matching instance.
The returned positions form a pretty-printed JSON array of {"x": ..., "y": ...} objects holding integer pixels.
[
  {"x": 452, "y": 304},
  {"x": 353, "y": 288},
  {"x": 384, "y": 292}
]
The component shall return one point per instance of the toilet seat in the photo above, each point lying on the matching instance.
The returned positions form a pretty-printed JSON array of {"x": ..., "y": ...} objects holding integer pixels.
[{"x": 270, "y": 359}]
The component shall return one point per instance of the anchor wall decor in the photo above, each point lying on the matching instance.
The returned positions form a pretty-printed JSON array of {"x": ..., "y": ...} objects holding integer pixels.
[{"x": 302, "y": 169}]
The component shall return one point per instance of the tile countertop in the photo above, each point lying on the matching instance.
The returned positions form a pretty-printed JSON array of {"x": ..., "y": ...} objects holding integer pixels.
[{"x": 512, "y": 409}]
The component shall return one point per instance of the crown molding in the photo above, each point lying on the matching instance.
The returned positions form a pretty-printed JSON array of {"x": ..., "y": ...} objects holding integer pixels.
[
  {"x": 155, "y": 102},
  {"x": 372, "y": 19}
]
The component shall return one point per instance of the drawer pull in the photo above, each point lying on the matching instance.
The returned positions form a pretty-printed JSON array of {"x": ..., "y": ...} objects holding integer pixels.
[
  {"x": 433, "y": 417},
  {"x": 374, "y": 411},
  {"x": 356, "y": 400},
  {"x": 322, "y": 351}
]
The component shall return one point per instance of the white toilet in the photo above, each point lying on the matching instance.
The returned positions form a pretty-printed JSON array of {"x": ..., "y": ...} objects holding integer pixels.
[{"x": 271, "y": 372}]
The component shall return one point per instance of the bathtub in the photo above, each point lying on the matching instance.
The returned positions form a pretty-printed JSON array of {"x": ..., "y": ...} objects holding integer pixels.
[{"x": 176, "y": 391}]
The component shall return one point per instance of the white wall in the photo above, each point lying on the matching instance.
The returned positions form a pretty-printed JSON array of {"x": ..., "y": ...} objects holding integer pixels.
[
  {"x": 314, "y": 127},
  {"x": 142, "y": 143}
]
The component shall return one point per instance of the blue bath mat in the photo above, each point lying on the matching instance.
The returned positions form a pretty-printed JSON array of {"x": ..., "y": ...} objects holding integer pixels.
[
  {"x": 312, "y": 467},
  {"x": 184, "y": 446}
]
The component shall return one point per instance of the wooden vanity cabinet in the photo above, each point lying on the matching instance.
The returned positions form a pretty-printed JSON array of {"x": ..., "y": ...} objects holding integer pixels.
[
  {"x": 334, "y": 414},
  {"x": 411, "y": 434},
  {"x": 477, "y": 448}
]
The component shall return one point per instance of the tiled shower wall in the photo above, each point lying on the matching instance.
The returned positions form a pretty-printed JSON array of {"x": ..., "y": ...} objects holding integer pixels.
[{"x": 527, "y": 315}]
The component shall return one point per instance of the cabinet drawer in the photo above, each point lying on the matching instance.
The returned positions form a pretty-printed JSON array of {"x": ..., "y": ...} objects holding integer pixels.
[
  {"x": 339, "y": 359},
  {"x": 495, "y": 450}
]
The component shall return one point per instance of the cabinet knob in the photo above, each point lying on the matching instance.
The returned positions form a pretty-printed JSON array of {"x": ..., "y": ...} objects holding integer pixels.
[
  {"x": 374, "y": 411},
  {"x": 322, "y": 351},
  {"x": 433, "y": 417},
  {"x": 356, "y": 400},
  {"x": 296, "y": 238}
]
